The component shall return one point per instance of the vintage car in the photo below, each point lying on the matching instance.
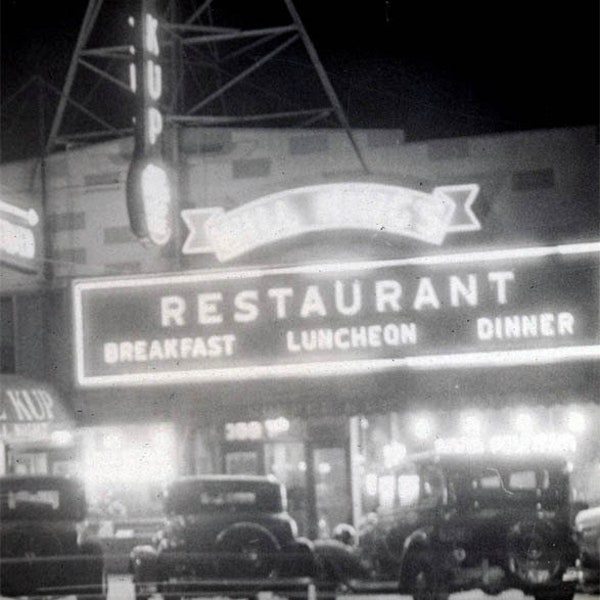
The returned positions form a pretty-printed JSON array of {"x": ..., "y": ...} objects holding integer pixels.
[
  {"x": 225, "y": 528},
  {"x": 456, "y": 522},
  {"x": 41, "y": 553},
  {"x": 587, "y": 527}
]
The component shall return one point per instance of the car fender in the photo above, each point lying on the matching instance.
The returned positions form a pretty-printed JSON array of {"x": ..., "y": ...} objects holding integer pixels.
[
  {"x": 143, "y": 563},
  {"x": 298, "y": 559},
  {"x": 339, "y": 562},
  {"x": 418, "y": 542}
]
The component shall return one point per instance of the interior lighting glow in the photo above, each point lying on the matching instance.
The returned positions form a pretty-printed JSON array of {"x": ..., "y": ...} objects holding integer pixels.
[
  {"x": 386, "y": 490},
  {"x": 576, "y": 422},
  {"x": 393, "y": 454},
  {"x": 112, "y": 441},
  {"x": 471, "y": 424},
  {"x": 459, "y": 445},
  {"x": 302, "y": 466},
  {"x": 62, "y": 438},
  {"x": 324, "y": 468},
  {"x": 422, "y": 427},
  {"x": 371, "y": 484},
  {"x": 408, "y": 489},
  {"x": 524, "y": 422}
]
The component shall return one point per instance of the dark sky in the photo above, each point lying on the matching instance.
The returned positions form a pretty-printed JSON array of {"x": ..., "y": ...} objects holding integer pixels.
[{"x": 436, "y": 69}]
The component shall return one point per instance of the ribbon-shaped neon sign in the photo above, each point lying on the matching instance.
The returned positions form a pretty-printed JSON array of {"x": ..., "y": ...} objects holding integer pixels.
[{"x": 395, "y": 210}]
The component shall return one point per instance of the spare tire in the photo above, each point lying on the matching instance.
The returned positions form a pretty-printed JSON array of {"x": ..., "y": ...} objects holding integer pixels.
[
  {"x": 26, "y": 547},
  {"x": 246, "y": 550},
  {"x": 534, "y": 552}
]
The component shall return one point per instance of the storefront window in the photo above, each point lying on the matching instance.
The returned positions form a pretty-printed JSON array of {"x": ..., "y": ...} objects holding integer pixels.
[
  {"x": 126, "y": 468},
  {"x": 242, "y": 463}
]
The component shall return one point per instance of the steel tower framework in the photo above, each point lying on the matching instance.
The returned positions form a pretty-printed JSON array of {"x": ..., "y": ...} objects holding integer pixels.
[{"x": 211, "y": 66}]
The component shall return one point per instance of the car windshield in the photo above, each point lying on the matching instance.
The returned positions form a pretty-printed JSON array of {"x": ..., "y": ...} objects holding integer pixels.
[
  {"x": 194, "y": 497},
  {"x": 493, "y": 484},
  {"x": 45, "y": 499}
]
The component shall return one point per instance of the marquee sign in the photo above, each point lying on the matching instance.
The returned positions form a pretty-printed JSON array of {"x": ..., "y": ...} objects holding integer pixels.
[
  {"x": 396, "y": 210},
  {"x": 496, "y": 308},
  {"x": 20, "y": 234}
]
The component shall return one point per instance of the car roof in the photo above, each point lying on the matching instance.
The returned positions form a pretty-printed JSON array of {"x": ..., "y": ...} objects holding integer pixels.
[
  {"x": 485, "y": 459},
  {"x": 39, "y": 481},
  {"x": 225, "y": 478}
]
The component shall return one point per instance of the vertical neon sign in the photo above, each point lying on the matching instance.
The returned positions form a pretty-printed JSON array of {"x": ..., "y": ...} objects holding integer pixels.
[{"x": 148, "y": 189}]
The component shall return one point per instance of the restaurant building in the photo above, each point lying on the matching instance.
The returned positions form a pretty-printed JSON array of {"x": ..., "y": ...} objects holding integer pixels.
[
  {"x": 37, "y": 425},
  {"x": 315, "y": 321}
]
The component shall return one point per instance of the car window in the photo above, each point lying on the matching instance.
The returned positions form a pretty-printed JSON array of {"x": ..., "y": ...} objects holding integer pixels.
[
  {"x": 522, "y": 480},
  {"x": 40, "y": 499},
  {"x": 408, "y": 489},
  {"x": 197, "y": 496},
  {"x": 490, "y": 485}
]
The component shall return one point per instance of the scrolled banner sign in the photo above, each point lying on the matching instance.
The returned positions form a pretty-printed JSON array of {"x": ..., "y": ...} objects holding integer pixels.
[{"x": 395, "y": 210}]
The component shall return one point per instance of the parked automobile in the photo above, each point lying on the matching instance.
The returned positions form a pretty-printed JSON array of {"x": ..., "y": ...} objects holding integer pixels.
[
  {"x": 40, "y": 550},
  {"x": 221, "y": 527},
  {"x": 458, "y": 522},
  {"x": 587, "y": 527}
]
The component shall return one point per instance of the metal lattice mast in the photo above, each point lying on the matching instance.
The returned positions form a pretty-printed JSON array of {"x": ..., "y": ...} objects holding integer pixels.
[{"x": 209, "y": 64}]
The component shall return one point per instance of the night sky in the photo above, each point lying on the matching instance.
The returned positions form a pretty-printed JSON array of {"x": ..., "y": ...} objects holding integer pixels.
[{"x": 434, "y": 69}]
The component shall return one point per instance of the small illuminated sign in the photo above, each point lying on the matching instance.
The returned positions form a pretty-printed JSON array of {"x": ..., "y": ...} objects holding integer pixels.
[
  {"x": 20, "y": 235},
  {"x": 242, "y": 431},
  {"x": 29, "y": 410},
  {"x": 373, "y": 207},
  {"x": 149, "y": 201},
  {"x": 509, "y": 444},
  {"x": 497, "y": 308}
]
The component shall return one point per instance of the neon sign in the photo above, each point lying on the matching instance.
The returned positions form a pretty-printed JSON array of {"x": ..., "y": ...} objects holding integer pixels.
[
  {"x": 19, "y": 236},
  {"x": 148, "y": 189},
  {"x": 415, "y": 313},
  {"x": 509, "y": 444},
  {"x": 395, "y": 210}
]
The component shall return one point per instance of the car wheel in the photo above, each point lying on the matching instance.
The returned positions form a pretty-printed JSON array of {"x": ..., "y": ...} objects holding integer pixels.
[
  {"x": 140, "y": 593},
  {"x": 23, "y": 543},
  {"x": 556, "y": 595},
  {"x": 536, "y": 554},
  {"x": 422, "y": 581},
  {"x": 246, "y": 550}
]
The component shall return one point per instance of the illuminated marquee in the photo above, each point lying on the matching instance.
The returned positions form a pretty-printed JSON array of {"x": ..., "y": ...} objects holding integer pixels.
[
  {"x": 496, "y": 308},
  {"x": 19, "y": 236},
  {"x": 372, "y": 207}
]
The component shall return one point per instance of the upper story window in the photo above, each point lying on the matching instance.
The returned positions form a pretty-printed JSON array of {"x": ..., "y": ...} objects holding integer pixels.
[{"x": 7, "y": 335}]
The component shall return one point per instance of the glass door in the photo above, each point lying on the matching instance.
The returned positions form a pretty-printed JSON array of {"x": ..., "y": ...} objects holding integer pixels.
[{"x": 332, "y": 489}]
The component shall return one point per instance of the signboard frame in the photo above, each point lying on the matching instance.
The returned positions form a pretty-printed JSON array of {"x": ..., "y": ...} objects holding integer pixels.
[{"x": 492, "y": 358}]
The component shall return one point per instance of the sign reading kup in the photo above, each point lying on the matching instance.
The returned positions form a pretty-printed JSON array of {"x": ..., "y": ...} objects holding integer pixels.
[
  {"x": 495, "y": 308},
  {"x": 148, "y": 189}
]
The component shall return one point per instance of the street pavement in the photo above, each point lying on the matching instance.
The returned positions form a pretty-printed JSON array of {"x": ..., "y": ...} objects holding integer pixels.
[{"x": 120, "y": 587}]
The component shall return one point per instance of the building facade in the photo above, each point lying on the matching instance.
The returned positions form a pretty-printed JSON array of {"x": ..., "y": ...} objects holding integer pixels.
[{"x": 317, "y": 321}]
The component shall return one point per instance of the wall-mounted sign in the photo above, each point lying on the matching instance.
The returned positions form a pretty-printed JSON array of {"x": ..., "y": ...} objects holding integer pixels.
[
  {"x": 495, "y": 308},
  {"x": 20, "y": 234},
  {"x": 364, "y": 206},
  {"x": 244, "y": 431},
  {"x": 148, "y": 188},
  {"x": 30, "y": 410}
]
